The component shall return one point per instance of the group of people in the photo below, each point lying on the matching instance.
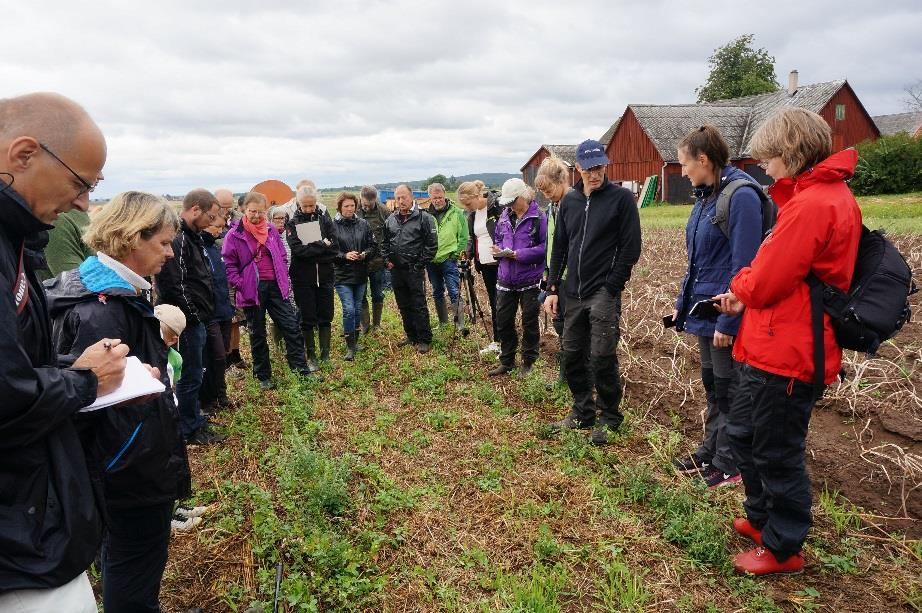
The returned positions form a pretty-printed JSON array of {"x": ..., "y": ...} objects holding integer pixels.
[{"x": 76, "y": 481}]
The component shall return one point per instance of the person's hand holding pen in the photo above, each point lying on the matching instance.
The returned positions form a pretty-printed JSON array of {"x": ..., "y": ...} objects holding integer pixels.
[{"x": 106, "y": 358}]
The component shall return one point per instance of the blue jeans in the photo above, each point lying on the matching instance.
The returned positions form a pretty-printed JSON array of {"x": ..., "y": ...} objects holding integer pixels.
[
  {"x": 444, "y": 276},
  {"x": 191, "y": 346},
  {"x": 351, "y": 296}
]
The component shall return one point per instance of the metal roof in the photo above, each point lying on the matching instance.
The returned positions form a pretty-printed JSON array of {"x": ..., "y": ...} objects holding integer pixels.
[
  {"x": 736, "y": 118},
  {"x": 899, "y": 122}
]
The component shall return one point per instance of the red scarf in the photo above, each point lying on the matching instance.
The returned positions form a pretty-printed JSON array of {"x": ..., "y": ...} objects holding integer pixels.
[{"x": 259, "y": 231}]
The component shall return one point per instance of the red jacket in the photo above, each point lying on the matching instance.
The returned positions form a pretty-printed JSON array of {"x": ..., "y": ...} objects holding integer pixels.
[{"x": 818, "y": 228}]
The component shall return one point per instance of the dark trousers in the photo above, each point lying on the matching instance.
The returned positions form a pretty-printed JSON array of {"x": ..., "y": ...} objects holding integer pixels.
[
  {"x": 191, "y": 347},
  {"x": 134, "y": 554},
  {"x": 315, "y": 303},
  {"x": 270, "y": 299},
  {"x": 410, "y": 293},
  {"x": 214, "y": 388},
  {"x": 767, "y": 428},
  {"x": 591, "y": 325},
  {"x": 489, "y": 272},
  {"x": 719, "y": 375},
  {"x": 507, "y": 304},
  {"x": 375, "y": 287}
]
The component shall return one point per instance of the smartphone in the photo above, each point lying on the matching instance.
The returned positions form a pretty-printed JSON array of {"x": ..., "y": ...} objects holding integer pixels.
[
  {"x": 668, "y": 321},
  {"x": 704, "y": 309}
]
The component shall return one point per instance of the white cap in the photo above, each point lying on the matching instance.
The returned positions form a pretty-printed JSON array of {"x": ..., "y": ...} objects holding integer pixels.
[
  {"x": 512, "y": 189},
  {"x": 171, "y": 317}
]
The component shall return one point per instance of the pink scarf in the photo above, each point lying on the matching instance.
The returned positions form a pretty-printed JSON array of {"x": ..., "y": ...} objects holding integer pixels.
[{"x": 259, "y": 231}]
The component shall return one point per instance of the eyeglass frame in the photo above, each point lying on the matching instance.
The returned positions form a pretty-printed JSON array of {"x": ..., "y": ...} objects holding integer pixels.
[{"x": 87, "y": 187}]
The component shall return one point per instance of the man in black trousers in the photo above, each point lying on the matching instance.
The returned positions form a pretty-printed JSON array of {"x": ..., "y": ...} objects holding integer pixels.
[
  {"x": 409, "y": 243},
  {"x": 597, "y": 241}
]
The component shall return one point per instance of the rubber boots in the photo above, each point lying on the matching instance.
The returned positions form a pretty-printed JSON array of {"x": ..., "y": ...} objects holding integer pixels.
[
  {"x": 441, "y": 310},
  {"x": 376, "y": 309},
  {"x": 366, "y": 320},
  {"x": 311, "y": 351},
  {"x": 350, "y": 345},
  {"x": 324, "y": 335}
]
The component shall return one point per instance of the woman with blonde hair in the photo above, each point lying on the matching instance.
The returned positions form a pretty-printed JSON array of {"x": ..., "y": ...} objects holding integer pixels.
[
  {"x": 483, "y": 211},
  {"x": 135, "y": 450},
  {"x": 817, "y": 232},
  {"x": 553, "y": 181}
]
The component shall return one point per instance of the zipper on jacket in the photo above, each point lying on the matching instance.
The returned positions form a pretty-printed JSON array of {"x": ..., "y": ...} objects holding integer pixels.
[
  {"x": 582, "y": 241},
  {"x": 124, "y": 448}
]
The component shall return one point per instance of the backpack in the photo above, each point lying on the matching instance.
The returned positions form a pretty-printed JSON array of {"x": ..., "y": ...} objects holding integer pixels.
[
  {"x": 873, "y": 309},
  {"x": 722, "y": 215}
]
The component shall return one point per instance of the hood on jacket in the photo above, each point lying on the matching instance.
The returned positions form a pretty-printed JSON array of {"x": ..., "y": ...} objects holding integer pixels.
[
  {"x": 88, "y": 281},
  {"x": 839, "y": 166}
]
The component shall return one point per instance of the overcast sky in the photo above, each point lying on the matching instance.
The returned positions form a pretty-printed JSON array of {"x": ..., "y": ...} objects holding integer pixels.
[{"x": 229, "y": 93}]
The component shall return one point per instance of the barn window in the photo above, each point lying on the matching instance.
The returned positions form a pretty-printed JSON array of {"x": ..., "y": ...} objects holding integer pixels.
[{"x": 840, "y": 112}]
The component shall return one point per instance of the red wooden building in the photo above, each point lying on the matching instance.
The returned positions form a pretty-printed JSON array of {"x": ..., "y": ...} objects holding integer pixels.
[{"x": 644, "y": 140}]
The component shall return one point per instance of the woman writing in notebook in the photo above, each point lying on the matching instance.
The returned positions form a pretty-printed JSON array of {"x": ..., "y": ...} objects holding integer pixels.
[{"x": 135, "y": 450}]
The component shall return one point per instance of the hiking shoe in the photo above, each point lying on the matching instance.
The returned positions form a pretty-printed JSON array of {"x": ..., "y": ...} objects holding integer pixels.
[
  {"x": 423, "y": 347},
  {"x": 184, "y": 525},
  {"x": 524, "y": 370},
  {"x": 690, "y": 465},
  {"x": 204, "y": 436},
  {"x": 570, "y": 423},
  {"x": 761, "y": 562},
  {"x": 717, "y": 478},
  {"x": 405, "y": 343},
  {"x": 491, "y": 348},
  {"x": 265, "y": 385},
  {"x": 190, "y": 513},
  {"x": 600, "y": 435},
  {"x": 501, "y": 369},
  {"x": 747, "y": 530}
]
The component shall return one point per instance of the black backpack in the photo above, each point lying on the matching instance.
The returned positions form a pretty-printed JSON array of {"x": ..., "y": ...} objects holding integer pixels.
[
  {"x": 875, "y": 307},
  {"x": 722, "y": 214}
]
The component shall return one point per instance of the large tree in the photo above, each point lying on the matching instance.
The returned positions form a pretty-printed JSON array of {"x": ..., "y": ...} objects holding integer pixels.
[{"x": 738, "y": 70}]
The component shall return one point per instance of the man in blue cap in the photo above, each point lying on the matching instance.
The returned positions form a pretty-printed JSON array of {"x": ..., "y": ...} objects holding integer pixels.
[{"x": 597, "y": 241}]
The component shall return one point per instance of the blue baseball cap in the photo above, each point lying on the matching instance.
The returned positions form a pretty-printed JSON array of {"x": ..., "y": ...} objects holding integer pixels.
[{"x": 591, "y": 153}]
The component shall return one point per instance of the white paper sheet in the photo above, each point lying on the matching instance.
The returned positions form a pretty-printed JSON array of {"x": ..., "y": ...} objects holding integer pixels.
[
  {"x": 308, "y": 232},
  {"x": 137, "y": 382}
]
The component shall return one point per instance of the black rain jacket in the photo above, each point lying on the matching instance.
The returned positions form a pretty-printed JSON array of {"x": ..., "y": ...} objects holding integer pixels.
[
  {"x": 50, "y": 526},
  {"x": 135, "y": 452}
]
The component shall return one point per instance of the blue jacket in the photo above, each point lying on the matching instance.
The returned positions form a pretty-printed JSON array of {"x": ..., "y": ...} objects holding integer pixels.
[
  {"x": 713, "y": 260},
  {"x": 223, "y": 310}
]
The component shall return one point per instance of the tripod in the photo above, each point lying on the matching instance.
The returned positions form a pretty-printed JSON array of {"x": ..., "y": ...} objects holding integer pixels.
[{"x": 469, "y": 306}]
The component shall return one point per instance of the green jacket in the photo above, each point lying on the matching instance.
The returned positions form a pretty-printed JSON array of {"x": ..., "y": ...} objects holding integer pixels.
[
  {"x": 66, "y": 249},
  {"x": 452, "y": 226}
]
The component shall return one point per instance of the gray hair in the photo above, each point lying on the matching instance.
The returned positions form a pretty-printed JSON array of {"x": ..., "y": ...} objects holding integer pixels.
[
  {"x": 307, "y": 191},
  {"x": 370, "y": 192},
  {"x": 437, "y": 186}
]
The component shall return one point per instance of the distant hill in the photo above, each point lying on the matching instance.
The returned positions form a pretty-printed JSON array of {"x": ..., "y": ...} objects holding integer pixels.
[{"x": 491, "y": 179}]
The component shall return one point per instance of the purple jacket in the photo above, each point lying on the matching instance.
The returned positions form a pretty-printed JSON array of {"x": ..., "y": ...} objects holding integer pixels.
[
  {"x": 242, "y": 272},
  {"x": 527, "y": 239}
]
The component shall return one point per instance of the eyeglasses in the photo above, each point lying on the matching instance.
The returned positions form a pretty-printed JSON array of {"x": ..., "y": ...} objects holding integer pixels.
[
  {"x": 595, "y": 170},
  {"x": 87, "y": 187}
]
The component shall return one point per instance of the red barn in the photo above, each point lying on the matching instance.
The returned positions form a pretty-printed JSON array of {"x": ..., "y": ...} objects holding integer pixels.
[
  {"x": 644, "y": 140},
  {"x": 567, "y": 153}
]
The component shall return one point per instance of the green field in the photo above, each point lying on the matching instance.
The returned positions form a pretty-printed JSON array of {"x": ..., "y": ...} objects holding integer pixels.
[{"x": 896, "y": 213}]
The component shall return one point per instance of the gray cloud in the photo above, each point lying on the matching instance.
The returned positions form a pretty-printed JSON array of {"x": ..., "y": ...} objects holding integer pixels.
[{"x": 225, "y": 93}]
